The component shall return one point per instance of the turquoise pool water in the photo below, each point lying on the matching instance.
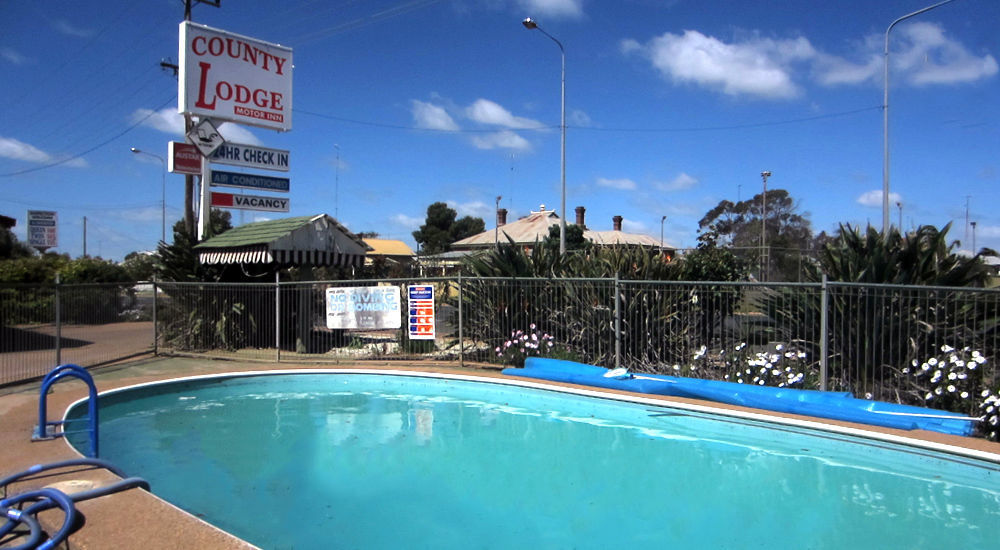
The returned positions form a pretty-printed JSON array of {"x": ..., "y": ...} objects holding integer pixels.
[{"x": 382, "y": 461}]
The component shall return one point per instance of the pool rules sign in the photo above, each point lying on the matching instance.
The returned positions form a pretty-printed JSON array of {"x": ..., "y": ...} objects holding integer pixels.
[{"x": 420, "y": 302}]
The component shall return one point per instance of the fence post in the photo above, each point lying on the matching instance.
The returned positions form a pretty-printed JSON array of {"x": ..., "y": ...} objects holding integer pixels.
[
  {"x": 156, "y": 332},
  {"x": 58, "y": 325},
  {"x": 618, "y": 324},
  {"x": 823, "y": 336},
  {"x": 461, "y": 326},
  {"x": 277, "y": 316}
]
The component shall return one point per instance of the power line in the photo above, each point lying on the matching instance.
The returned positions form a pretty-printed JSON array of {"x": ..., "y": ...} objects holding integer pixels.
[{"x": 94, "y": 148}]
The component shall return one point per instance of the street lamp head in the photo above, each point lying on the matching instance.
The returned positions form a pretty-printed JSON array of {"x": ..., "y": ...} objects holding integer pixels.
[
  {"x": 766, "y": 173},
  {"x": 135, "y": 150},
  {"x": 529, "y": 23}
]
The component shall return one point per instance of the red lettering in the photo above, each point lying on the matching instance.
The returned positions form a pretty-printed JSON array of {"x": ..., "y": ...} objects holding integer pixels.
[
  {"x": 215, "y": 46},
  {"x": 242, "y": 94},
  {"x": 203, "y": 79},
  {"x": 194, "y": 45},
  {"x": 260, "y": 98},
  {"x": 276, "y": 102}
]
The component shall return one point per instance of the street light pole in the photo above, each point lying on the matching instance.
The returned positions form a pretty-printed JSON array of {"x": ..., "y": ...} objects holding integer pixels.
[
  {"x": 663, "y": 219},
  {"x": 530, "y": 24},
  {"x": 496, "y": 231},
  {"x": 163, "y": 192},
  {"x": 885, "y": 115}
]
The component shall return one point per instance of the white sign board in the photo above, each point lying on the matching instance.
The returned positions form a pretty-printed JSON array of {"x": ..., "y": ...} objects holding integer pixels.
[
  {"x": 42, "y": 229},
  {"x": 368, "y": 307},
  {"x": 251, "y": 156},
  {"x": 231, "y": 77}
]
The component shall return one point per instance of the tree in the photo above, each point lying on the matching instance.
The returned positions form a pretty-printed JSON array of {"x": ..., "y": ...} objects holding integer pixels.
[
  {"x": 140, "y": 265},
  {"x": 574, "y": 238},
  {"x": 738, "y": 226},
  {"x": 441, "y": 229},
  {"x": 11, "y": 247},
  {"x": 179, "y": 262}
]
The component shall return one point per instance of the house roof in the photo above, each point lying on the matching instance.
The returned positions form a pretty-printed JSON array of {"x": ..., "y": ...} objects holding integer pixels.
[
  {"x": 316, "y": 240},
  {"x": 527, "y": 230},
  {"x": 387, "y": 247},
  {"x": 535, "y": 227}
]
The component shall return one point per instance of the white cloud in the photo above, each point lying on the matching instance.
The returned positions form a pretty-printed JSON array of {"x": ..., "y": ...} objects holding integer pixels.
[
  {"x": 408, "y": 222},
  {"x": 504, "y": 139},
  {"x": 66, "y": 28},
  {"x": 485, "y": 111},
  {"x": 18, "y": 150},
  {"x": 169, "y": 121},
  {"x": 579, "y": 119},
  {"x": 238, "y": 134},
  {"x": 553, "y": 8},
  {"x": 166, "y": 120},
  {"x": 920, "y": 54},
  {"x": 931, "y": 58},
  {"x": 874, "y": 198},
  {"x": 432, "y": 117},
  {"x": 13, "y": 56},
  {"x": 681, "y": 182},
  {"x": 623, "y": 183},
  {"x": 476, "y": 209},
  {"x": 758, "y": 67}
]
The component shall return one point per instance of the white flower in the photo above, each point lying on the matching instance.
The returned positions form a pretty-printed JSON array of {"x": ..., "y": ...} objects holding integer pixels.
[
  {"x": 532, "y": 326},
  {"x": 761, "y": 382},
  {"x": 914, "y": 363},
  {"x": 497, "y": 350},
  {"x": 951, "y": 388},
  {"x": 985, "y": 393},
  {"x": 868, "y": 395},
  {"x": 779, "y": 347},
  {"x": 959, "y": 363},
  {"x": 938, "y": 390},
  {"x": 802, "y": 355},
  {"x": 925, "y": 367},
  {"x": 946, "y": 348},
  {"x": 964, "y": 395},
  {"x": 776, "y": 372},
  {"x": 928, "y": 397},
  {"x": 906, "y": 370},
  {"x": 932, "y": 361},
  {"x": 952, "y": 375}
]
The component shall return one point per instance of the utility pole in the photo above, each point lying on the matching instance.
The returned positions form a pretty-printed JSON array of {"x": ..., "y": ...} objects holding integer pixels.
[
  {"x": 763, "y": 227},
  {"x": 967, "y": 197},
  {"x": 85, "y": 236}
]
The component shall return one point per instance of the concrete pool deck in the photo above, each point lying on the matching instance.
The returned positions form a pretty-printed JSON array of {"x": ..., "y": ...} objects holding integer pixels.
[{"x": 137, "y": 519}]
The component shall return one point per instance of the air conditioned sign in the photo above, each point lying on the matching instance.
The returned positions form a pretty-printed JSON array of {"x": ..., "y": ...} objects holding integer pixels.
[
  {"x": 250, "y": 202},
  {"x": 226, "y": 76},
  {"x": 249, "y": 181}
]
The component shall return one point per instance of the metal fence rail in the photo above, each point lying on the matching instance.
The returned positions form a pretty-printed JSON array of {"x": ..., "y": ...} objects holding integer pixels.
[
  {"x": 917, "y": 345},
  {"x": 42, "y": 326}
]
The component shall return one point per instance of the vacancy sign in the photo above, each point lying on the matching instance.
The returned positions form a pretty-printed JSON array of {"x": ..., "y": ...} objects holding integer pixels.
[
  {"x": 183, "y": 158},
  {"x": 421, "y": 305},
  {"x": 226, "y": 76},
  {"x": 42, "y": 229},
  {"x": 250, "y": 202}
]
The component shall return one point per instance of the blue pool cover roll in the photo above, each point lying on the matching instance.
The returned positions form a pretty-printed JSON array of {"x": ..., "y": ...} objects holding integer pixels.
[{"x": 832, "y": 405}]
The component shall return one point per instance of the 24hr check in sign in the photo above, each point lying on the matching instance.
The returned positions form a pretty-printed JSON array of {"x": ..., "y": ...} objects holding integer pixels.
[{"x": 421, "y": 314}]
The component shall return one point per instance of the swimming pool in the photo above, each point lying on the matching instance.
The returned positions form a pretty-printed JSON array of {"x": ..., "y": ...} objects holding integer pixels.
[{"x": 346, "y": 460}]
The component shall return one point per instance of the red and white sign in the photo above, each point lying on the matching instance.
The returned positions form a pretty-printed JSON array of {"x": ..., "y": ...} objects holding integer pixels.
[
  {"x": 250, "y": 202},
  {"x": 226, "y": 76},
  {"x": 183, "y": 158}
]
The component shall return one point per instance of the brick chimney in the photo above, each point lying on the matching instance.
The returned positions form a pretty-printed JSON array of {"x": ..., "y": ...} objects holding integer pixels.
[
  {"x": 580, "y": 211},
  {"x": 501, "y": 217},
  {"x": 617, "y": 221}
]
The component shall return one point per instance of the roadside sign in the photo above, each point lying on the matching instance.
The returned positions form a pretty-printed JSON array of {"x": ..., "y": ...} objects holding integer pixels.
[
  {"x": 420, "y": 304},
  {"x": 365, "y": 307},
  {"x": 183, "y": 158},
  {"x": 251, "y": 156},
  {"x": 43, "y": 229},
  {"x": 227, "y": 76},
  {"x": 249, "y": 181},
  {"x": 250, "y": 202},
  {"x": 206, "y": 137}
]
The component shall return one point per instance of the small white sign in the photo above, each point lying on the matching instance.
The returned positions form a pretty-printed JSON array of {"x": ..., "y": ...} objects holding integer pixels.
[
  {"x": 206, "y": 137},
  {"x": 43, "y": 229},
  {"x": 368, "y": 307}
]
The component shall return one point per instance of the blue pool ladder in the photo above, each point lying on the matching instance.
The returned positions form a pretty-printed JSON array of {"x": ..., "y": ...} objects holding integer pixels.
[{"x": 52, "y": 429}]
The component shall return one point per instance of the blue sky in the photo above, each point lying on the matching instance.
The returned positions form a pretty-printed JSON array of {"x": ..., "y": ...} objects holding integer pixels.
[{"x": 672, "y": 106}]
